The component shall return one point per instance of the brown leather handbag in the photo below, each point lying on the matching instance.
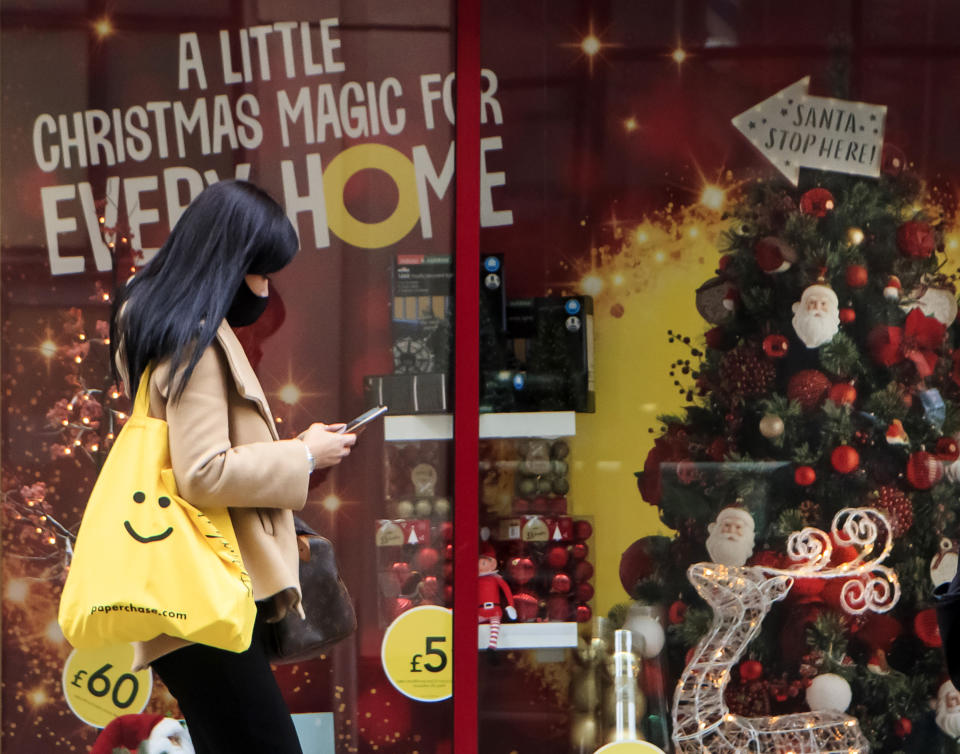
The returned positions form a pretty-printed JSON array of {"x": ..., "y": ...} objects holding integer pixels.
[{"x": 326, "y": 602}]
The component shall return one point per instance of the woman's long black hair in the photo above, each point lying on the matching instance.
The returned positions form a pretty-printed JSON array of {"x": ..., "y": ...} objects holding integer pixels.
[{"x": 173, "y": 306}]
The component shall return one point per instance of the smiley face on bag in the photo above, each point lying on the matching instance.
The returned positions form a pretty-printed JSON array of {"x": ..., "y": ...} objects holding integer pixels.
[{"x": 163, "y": 501}]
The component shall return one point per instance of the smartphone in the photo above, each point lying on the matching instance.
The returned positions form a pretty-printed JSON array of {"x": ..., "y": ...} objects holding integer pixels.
[{"x": 356, "y": 425}]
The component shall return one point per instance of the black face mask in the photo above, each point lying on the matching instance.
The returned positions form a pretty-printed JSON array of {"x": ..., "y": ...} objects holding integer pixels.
[{"x": 246, "y": 307}]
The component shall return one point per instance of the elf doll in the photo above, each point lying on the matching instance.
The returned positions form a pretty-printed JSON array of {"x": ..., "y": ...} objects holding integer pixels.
[{"x": 489, "y": 588}]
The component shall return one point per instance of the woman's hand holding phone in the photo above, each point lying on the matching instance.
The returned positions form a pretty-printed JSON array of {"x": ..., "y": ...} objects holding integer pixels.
[{"x": 328, "y": 443}]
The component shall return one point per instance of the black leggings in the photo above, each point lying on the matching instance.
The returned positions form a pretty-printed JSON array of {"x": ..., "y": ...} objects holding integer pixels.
[{"x": 231, "y": 701}]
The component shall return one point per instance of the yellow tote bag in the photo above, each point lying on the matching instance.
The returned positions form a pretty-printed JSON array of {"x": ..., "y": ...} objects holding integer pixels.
[{"x": 146, "y": 562}]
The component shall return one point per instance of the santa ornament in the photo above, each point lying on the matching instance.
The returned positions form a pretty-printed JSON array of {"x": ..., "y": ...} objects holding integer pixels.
[
  {"x": 490, "y": 588},
  {"x": 730, "y": 539},
  {"x": 816, "y": 316},
  {"x": 143, "y": 734},
  {"x": 948, "y": 709}
]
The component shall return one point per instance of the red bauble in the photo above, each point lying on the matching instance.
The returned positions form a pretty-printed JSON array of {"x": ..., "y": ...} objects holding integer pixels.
[
  {"x": 582, "y": 530},
  {"x": 677, "y": 612},
  {"x": 948, "y": 449},
  {"x": 446, "y": 531},
  {"x": 582, "y": 613},
  {"x": 750, "y": 670},
  {"x": 847, "y": 315},
  {"x": 916, "y": 240},
  {"x": 636, "y": 564},
  {"x": 558, "y": 607},
  {"x": 539, "y": 505},
  {"x": 843, "y": 393},
  {"x": 896, "y": 504},
  {"x": 560, "y": 583},
  {"x": 902, "y": 728},
  {"x": 401, "y": 605},
  {"x": 426, "y": 559},
  {"x": 521, "y": 570},
  {"x": 527, "y": 606},
  {"x": 521, "y": 506},
  {"x": 429, "y": 588},
  {"x": 809, "y": 388},
  {"x": 817, "y": 202},
  {"x": 744, "y": 372},
  {"x": 924, "y": 470},
  {"x": 844, "y": 459},
  {"x": 856, "y": 276},
  {"x": 400, "y": 570},
  {"x": 583, "y": 571},
  {"x": 583, "y": 592},
  {"x": 716, "y": 337},
  {"x": 776, "y": 346},
  {"x": 579, "y": 551},
  {"x": 557, "y": 556},
  {"x": 804, "y": 476},
  {"x": 926, "y": 628},
  {"x": 879, "y": 631}
]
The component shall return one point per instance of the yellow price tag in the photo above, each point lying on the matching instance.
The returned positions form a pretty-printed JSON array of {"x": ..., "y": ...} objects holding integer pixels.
[
  {"x": 629, "y": 747},
  {"x": 417, "y": 653},
  {"x": 99, "y": 685}
]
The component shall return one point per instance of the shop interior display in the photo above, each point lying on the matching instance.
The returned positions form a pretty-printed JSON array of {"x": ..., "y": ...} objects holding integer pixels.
[
  {"x": 536, "y": 354},
  {"x": 830, "y": 379},
  {"x": 527, "y": 524}
]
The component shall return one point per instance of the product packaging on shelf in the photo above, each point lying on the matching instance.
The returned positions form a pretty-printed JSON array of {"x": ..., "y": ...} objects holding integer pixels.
[
  {"x": 544, "y": 359},
  {"x": 414, "y": 544},
  {"x": 542, "y": 548}
]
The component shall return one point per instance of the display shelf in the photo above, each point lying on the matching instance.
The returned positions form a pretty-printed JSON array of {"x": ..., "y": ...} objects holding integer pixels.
[
  {"x": 409, "y": 427},
  {"x": 530, "y": 635}
]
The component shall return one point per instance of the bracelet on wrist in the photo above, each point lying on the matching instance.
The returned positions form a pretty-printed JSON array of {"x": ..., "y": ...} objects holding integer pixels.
[{"x": 310, "y": 459}]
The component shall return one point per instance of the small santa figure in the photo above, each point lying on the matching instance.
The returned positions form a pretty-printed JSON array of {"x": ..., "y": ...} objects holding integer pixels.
[
  {"x": 943, "y": 565},
  {"x": 816, "y": 316},
  {"x": 143, "y": 734},
  {"x": 730, "y": 537},
  {"x": 489, "y": 589},
  {"x": 948, "y": 709}
]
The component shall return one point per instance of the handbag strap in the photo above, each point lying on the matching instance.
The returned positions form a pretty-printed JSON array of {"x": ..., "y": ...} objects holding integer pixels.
[{"x": 141, "y": 403}]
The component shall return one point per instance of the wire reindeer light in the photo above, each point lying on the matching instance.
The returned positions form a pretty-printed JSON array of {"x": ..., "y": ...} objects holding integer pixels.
[{"x": 740, "y": 598}]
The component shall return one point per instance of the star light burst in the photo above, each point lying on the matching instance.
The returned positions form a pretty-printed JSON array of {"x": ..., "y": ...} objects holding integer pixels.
[{"x": 591, "y": 46}]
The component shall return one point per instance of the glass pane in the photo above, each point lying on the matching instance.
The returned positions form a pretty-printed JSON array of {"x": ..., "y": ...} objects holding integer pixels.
[
  {"x": 708, "y": 179},
  {"x": 113, "y": 123}
]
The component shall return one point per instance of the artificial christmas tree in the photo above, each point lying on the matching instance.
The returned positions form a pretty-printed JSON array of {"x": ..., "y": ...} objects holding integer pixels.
[{"x": 832, "y": 381}]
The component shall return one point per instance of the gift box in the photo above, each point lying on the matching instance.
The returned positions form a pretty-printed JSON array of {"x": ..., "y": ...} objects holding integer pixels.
[{"x": 422, "y": 310}]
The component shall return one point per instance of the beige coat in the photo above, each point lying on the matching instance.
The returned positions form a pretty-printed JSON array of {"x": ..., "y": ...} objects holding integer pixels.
[{"x": 225, "y": 452}]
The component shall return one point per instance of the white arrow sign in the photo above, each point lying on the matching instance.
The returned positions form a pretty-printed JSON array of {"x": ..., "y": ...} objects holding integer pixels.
[{"x": 794, "y": 130}]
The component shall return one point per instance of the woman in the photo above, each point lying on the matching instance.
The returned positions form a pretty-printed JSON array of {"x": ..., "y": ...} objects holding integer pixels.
[{"x": 176, "y": 315}]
